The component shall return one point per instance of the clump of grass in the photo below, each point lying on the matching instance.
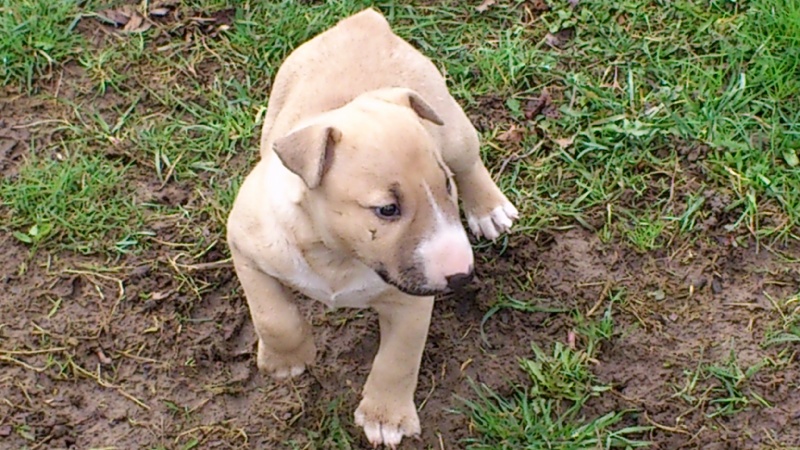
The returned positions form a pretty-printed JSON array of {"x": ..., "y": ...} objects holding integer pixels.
[
  {"x": 731, "y": 393},
  {"x": 35, "y": 35},
  {"x": 728, "y": 390},
  {"x": 547, "y": 413},
  {"x": 330, "y": 431},
  {"x": 81, "y": 202}
]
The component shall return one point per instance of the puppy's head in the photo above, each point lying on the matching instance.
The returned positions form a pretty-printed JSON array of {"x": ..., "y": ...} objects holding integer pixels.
[{"x": 379, "y": 190}]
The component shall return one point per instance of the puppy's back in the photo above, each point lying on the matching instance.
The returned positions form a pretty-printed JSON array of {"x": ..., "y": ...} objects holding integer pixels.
[{"x": 359, "y": 54}]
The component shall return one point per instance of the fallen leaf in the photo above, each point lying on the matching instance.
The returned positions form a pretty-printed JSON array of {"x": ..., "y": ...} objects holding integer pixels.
[
  {"x": 125, "y": 16},
  {"x": 573, "y": 3},
  {"x": 117, "y": 17},
  {"x": 137, "y": 24},
  {"x": 485, "y": 5},
  {"x": 539, "y": 5},
  {"x": 164, "y": 3},
  {"x": 564, "y": 143},
  {"x": 513, "y": 135},
  {"x": 217, "y": 22},
  {"x": 560, "y": 38},
  {"x": 536, "y": 106},
  {"x": 159, "y": 12}
]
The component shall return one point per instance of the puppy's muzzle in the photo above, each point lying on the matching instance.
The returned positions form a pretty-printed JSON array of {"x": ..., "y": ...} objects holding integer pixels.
[{"x": 458, "y": 281}]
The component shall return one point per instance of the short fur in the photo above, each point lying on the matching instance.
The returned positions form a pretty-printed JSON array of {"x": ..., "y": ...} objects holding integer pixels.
[{"x": 354, "y": 204}]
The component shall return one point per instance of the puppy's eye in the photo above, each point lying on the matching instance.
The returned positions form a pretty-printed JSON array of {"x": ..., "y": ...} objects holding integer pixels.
[
  {"x": 391, "y": 211},
  {"x": 449, "y": 186}
]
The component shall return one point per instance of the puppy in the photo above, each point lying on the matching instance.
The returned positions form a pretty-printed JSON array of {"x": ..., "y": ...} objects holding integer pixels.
[{"x": 354, "y": 203}]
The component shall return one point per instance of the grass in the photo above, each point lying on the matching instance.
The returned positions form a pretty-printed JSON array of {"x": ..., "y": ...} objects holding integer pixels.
[
  {"x": 547, "y": 413},
  {"x": 627, "y": 95},
  {"x": 661, "y": 121},
  {"x": 37, "y": 36},
  {"x": 726, "y": 386},
  {"x": 57, "y": 201}
]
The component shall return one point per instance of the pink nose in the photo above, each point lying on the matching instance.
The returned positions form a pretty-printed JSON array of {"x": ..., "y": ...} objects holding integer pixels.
[
  {"x": 448, "y": 259},
  {"x": 453, "y": 258}
]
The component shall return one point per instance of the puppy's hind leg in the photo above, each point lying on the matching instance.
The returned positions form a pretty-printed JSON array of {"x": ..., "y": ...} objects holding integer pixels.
[{"x": 285, "y": 342}]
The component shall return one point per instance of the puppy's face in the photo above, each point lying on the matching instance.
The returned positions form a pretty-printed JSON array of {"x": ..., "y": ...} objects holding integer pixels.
[{"x": 388, "y": 199}]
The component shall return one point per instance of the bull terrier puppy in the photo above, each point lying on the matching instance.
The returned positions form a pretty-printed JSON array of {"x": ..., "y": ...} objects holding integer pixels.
[{"x": 354, "y": 203}]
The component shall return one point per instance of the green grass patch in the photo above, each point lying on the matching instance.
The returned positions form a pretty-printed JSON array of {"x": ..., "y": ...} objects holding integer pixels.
[
  {"x": 330, "y": 431},
  {"x": 35, "y": 36},
  {"x": 81, "y": 202},
  {"x": 723, "y": 388},
  {"x": 789, "y": 329},
  {"x": 548, "y": 412}
]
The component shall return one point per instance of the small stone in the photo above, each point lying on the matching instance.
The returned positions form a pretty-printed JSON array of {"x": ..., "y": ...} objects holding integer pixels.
[
  {"x": 673, "y": 317},
  {"x": 5, "y": 430},
  {"x": 716, "y": 286}
]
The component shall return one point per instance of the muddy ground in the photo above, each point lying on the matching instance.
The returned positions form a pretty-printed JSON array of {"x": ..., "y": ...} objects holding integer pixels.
[
  {"x": 133, "y": 358},
  {"x": 138, "y": 374}
]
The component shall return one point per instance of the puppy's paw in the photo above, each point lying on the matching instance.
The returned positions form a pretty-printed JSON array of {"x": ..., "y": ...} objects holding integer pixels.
[
  {"x": 492, "y": 225},
  {"x": 385, "y": 423},
  {"x": 286, "y": 365}
]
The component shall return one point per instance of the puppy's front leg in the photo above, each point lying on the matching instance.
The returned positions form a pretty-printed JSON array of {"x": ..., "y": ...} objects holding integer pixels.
[
  {"x": 285, "y": 342},
  {"x": 387, "y": 412}
]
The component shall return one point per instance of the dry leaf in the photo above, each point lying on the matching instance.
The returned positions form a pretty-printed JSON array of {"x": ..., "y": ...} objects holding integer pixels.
[
  {"x": 137, "y": 24},
  {"x": 535, "y": 107},
  {"x": 164, "y": 3},
  {"x": 512, "y": 135},
  {"x": 564, "y": 143},
  {"x": 485, "y": 5},
  {"x": 159, "y": 12},
  {"x": 118, "y": 17},
  {"x": 162, "y": 8},
  {"x": 560, "y": 38},
  {"x": 126, "y": 17}
]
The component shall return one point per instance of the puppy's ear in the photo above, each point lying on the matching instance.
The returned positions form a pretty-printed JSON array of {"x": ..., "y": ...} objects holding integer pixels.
[
  {"x": 423, "y": 109},
  {"x": 308, "y": 151},
  {"x": 413, "y": 100}
]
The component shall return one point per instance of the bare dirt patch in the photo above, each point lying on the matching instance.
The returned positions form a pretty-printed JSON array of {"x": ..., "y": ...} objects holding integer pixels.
[{"x": 129, "y": 359}]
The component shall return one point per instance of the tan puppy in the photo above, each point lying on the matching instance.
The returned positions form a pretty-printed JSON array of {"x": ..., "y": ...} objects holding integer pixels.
[{"x": 353, "y": 203}]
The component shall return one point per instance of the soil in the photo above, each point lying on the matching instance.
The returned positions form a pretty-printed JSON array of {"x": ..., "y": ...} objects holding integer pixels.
[{"x": 132, "y": 358}]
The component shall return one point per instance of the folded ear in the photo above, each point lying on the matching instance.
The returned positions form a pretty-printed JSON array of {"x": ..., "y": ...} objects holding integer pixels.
[
  {"x": 413, "y": 100},
  {"x": 308, "y": 151}
]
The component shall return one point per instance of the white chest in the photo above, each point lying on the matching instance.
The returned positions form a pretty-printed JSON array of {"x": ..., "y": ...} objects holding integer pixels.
[{"x": 350, "y": 285}]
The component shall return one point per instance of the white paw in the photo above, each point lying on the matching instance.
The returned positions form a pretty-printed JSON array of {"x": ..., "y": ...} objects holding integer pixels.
[
  {"x": 497, "y": 222},
  {"x": 290, "y": 372},
  {"x": 387, "y": 427},
  {"x": 288, "y": 365}
]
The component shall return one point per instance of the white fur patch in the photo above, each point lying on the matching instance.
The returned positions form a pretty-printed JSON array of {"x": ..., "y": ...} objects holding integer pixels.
[
  {"x": 446, "y": 251},
  {"x": 362, "y": 285},
  {"x": 292, "y": 372},
  {"x": 497, "y": 222},
  {"x": 380, "y": 433}
]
